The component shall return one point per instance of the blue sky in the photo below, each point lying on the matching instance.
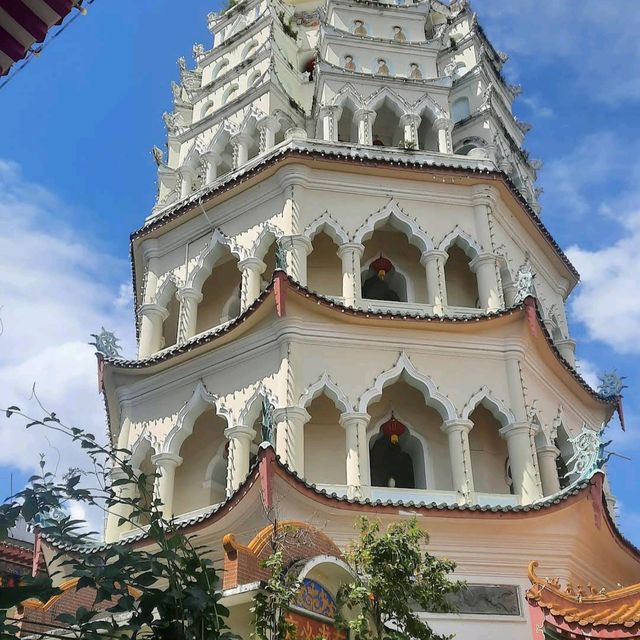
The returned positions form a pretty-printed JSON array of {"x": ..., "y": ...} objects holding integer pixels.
[{"x": 76, "y": 177}]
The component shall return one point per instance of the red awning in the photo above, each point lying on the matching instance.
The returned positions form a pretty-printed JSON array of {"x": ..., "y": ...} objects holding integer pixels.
[{"x": 24, "y": 23}]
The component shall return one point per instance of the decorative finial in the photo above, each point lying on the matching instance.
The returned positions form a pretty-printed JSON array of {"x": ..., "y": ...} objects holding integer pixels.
[
  {"x": 611, "y": 384},
  {"x": 267, "y": 420},
  {"x": 106, "y": 343},
  {"x": 588, "y": 454},
  {"x": 158, "y": 156},
  {"x": 524, "y": 283},
  {"x": 281, "y": 256}
]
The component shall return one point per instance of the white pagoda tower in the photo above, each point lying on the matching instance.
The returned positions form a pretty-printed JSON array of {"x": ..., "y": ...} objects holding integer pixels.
[{"x": 348, "y": 304}]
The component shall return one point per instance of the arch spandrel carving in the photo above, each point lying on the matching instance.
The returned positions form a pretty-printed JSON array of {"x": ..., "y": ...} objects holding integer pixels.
[
  {"x": 406, "y": 370},
  {"x": 392, "y": 213},
  {"x": 464, "y": 240},
  {"x": 215, "y": 249},
  {"x": 328, "y": 224},
  {"x": 201, "y": 400},
  {"x": 487, "y": 399},
  {"x": 327, "y": 386}
]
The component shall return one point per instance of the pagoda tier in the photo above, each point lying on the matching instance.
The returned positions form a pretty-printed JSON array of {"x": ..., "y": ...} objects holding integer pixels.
[{"x": 420, "y": 76}]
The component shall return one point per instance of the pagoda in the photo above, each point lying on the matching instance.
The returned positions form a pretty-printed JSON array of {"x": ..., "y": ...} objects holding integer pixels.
[{"x": 348, "y": 304}]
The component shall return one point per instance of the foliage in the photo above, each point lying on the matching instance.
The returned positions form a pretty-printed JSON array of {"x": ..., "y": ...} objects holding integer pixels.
[
  {"x": 393, "y": 580},
  {"x": 287, "y": 25},
  {"x": 170, "y": 592},
  {"x": 271, "y": 603}
]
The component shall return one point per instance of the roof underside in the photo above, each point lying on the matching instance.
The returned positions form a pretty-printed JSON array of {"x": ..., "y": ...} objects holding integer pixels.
[{"x": 24, "y": 23}]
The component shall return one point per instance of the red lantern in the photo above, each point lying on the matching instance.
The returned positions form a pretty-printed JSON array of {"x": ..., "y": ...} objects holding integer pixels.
[
  {"x": 393, "y": 429},
  {"x": 382, "y": 266}
]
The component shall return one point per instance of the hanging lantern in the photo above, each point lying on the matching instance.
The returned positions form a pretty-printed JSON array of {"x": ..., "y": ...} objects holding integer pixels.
[
  {"x": 382, "y": 266},
  {"x": 393, "y": 429}
]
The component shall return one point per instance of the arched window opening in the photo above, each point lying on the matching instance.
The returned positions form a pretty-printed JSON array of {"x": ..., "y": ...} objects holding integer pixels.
[
  {"x": 427, "y": 135},
  {"x": 201, "y": 479},
  {"x": 249, "y": 50},
  {"x": 489, "y": 454},
  {"x": 325, "y": 450},
  {"x": 390, "y": 457},
  {"x": 254, "y": 79},
  {"x": 461, "y": 282},
  {"x": 251, "y": 131},
  {"x": 270, "y": 261},
  {"x": 207, "y": 108},
  {"x": 225, "y": 165},
  {"x": 324, "y": 268},
  {"x": 347, "y": 129},
  {"x": 229, "y": 94},
  {"x": 422, "y": 442},
  {"x": 170, "y": 325},
  {"x": 220, "y": 295},
  {"x": 403, "y": 279},
  {"x": 148, "y": 469},
  {"x": 219, "y": 69},
  {"x": 387, "y": 130},
  {"x": 566, "y": 453},
  {"x": 460, "y": 109}
]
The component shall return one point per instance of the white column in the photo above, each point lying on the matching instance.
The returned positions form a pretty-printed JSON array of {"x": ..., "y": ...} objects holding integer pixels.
[
  {"x": 355, "y": 425},
  {"x": 365, "y": 119},
  {"x": 189, "y": 300},
  {"x": 187, "y": 174},
  {"x": 547, "y": 457},
  {"x": 290, "y": 423},
  {"x": 119, "y": 510},
  {"x": 151, "y": 257},
  {"x": 484, "y": 266},
  {"x": 524, "y": 471},
  {"x": 460, "y": 456},
  {"x": 298, "y": 247},
  {"x": 211, "y": 160},
  {"x": 166, "y": 464},
  {"x": 330, "y": 116},
  {"x": 434, "y": 262},
  {"x": 240, "y": 439},
  {"x": 152, "y": 316},
  {"x": 567, "y": 349},
  {"x": 241, "y": 142},
  {"x": 444, "y": 126},
  {"x": 410, "y": 123},
  {"x": 252, "y": 268},
  {"x": 350, "y": 254},
  {"x": 268, "y": 128},
  {"x": 519, "y": 437}
]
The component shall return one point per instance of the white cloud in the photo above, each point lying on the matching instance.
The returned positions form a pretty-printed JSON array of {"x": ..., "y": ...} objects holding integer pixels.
[
  {"x": 607, "y": 300},
  {"x": 596, "y": 41},
  {"x": 56, "y": 287}
]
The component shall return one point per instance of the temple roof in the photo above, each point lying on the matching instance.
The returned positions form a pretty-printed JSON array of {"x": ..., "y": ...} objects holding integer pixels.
[
  {"x": 268, "y": 465},
  {"x": 364, "y": 157},
  {"x": 586, "y": 606},
  {"x": 23, "y": 24},
  {"x": 527, "y": 311}
]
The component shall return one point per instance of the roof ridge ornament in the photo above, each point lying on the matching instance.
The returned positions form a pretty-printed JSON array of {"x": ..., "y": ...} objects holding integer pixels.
[
  {"x": 524, "y": 283},
  {"x": 106, "y": 343}
]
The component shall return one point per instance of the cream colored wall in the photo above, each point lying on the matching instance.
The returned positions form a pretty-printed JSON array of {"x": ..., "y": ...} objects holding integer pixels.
[
  {"x": 220, "y": 296},
  {"x": 325, "y": 450},
  {"x": 461, "y": 283},
  {"x": 197, "y": 451},
  {"x": 324, "y": 268},
  {"x": 488, "y": 453}
]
